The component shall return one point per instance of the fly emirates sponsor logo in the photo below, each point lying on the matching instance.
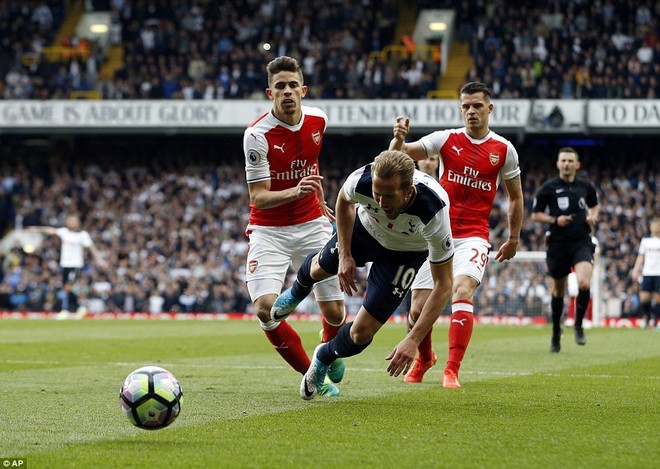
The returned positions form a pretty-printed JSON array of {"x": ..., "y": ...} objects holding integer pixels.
[
  {"x": 298, "y": 170},
  {"x": 470, "y": 178}
]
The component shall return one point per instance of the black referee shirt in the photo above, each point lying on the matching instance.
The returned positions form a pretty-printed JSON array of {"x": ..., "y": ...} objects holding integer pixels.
[{"x": 567, "y": 198}]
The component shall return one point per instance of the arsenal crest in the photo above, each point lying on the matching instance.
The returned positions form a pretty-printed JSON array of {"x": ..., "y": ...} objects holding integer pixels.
[
  {"x": 316, "y": 136},
  {"x": 494, "y": 158},
  {"x": 252, "y": 266}
]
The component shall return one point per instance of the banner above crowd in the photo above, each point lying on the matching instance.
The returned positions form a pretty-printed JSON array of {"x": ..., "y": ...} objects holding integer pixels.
[{"x": 345, "y": 116}]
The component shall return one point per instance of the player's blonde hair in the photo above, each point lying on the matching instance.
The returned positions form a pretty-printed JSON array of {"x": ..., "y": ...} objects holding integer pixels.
[{"x": 392, "y": 163}]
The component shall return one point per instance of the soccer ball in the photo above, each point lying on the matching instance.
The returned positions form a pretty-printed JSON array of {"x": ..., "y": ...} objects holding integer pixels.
[{"x": 151, "y": 397}]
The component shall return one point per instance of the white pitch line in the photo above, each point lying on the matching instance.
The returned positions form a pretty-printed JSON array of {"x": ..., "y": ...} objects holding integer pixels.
[
  {"x": 366, "y": 370},
  {"x": 32, "y": 362}
]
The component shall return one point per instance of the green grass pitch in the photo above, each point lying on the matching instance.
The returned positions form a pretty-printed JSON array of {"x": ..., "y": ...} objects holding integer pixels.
[{"x": 520, "y": 406}]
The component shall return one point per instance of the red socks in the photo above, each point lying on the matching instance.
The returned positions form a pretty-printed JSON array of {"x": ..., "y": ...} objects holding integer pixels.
[
  {"x": 288, "y": 344},
  {"x": 460, "y": 331},
  {"x": 329, "y": 330}
]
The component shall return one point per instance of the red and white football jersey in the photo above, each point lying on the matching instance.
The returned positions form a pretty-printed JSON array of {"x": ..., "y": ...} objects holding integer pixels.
[
  {"x": 284, "y": 154},
  {"x": 470, "y": 171}
]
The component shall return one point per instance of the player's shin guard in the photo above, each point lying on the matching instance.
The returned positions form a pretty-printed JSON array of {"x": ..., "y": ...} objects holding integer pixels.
[
  {"x": 341, "y": 346},
  {"x": 460, "y": 332},
  {"x": 425, "y": 347},
  {"x": 288, "y": 344}
]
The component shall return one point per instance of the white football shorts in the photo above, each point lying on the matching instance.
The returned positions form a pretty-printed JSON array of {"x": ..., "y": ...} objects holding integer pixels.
[
  {"x": 470, "y": 258},
  {"x": 273, "y": 249}
]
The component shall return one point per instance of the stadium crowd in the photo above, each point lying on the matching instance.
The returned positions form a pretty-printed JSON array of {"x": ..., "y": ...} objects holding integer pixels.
[
  {"x": 173, "y": 231},
  {"x": 218, "y": 50},
  {"x": 569, "y": 49}
]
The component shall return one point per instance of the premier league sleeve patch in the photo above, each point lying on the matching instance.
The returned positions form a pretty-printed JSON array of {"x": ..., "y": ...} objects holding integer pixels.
[
  {"x": 253, "y": 157},
  {"x": 448, "y": 242}
]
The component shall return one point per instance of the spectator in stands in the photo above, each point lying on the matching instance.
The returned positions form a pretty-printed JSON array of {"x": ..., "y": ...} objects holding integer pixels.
[
  {"x": 596, "y": 37},
  {"x": 139, "y": 197},
  {"x": 556, "y": 39}
]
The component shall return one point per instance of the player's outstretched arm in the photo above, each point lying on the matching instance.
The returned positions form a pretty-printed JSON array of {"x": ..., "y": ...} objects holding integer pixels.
[
  {"x": 345, "y": 219},
  {"x": 403, "y": 355},
  {"x": 98, "y": 258},
  {"x": 42, "y": 229}
]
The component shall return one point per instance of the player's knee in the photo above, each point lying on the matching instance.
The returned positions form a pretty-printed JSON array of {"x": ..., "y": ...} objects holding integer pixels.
[
  {"x": 463, "y": 288},
  {"x": 262, "y": 308},
  {"x": 462, "y": 292},
  {"x": 263, "y": 315},
  {"x": 333, "y": 312},
  {"x": 584, "y": 284},
  {"x": 415, "y": 312}
]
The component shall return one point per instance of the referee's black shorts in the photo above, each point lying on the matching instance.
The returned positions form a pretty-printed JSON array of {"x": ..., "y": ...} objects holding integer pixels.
[{"x": 564, "y": 255}]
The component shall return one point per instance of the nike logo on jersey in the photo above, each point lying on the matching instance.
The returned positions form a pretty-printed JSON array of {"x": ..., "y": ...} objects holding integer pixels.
[
  {"x": 559, "y": 191},
  {"x": 457, "y": 150},
  {"x": 279, "y": 147},
  {"x": 460, "y": 321}
]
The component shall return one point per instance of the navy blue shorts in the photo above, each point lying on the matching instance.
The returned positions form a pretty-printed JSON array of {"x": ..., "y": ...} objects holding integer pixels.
[
  {"x": 562, "y": 256},
  {"x": 391, "y": 273},
  {"x": 650, "y": 284},
  {"x": 70, "y": 274}
]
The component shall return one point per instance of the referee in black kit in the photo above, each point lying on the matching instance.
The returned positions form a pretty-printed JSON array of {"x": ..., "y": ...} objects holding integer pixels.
[{"x": 572, "y": 204}]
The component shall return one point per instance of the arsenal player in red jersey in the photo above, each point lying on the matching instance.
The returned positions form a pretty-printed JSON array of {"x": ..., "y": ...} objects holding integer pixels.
[
  {"x": 288, "y": 216},
  {"x": 473, "y": 161}
]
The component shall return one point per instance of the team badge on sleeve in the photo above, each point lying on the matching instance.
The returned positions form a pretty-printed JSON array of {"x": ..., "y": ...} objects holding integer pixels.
[
  {"x": 253, "y": 157},
  {"x": 448, "y": 242}
]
